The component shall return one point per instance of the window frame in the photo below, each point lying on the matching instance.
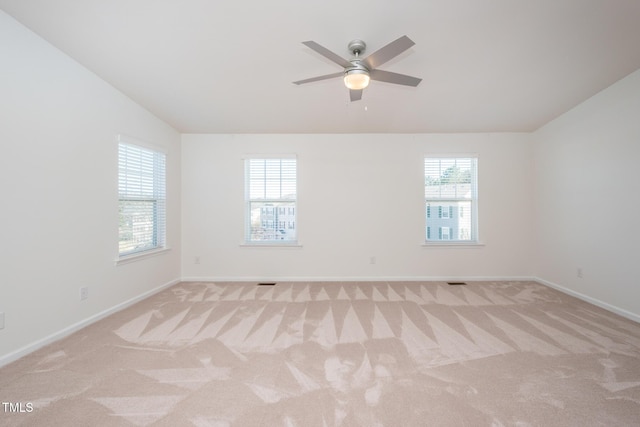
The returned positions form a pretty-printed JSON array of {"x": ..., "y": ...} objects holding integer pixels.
[
  {"x": 289, "y": 205},
  {"x": 158, "y": 198},
  {"x": 445, "y": 203}
]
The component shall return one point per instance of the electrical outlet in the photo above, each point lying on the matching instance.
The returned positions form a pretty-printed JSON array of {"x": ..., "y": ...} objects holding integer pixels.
[
  {"x": 1, "y": 320},
  {"x": 84, "y": 293},
  {"x": 196, "y": 260},
  {"x": 372, "y": 260},
  {"x": 579, "y": 273}
]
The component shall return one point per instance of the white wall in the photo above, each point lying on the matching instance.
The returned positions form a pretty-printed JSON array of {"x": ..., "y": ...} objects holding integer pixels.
[
  {"x": 359, "y": 196},
  {"x": 587, "y": 198},
  {"x": 58, "y": 171}
]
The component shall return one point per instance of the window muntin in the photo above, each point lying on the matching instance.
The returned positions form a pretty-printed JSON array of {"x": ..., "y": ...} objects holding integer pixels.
[
  {"x": 141, "y": 199},
  {"x": 270, "y": 200},
  {"x": 451, "y": 199}
]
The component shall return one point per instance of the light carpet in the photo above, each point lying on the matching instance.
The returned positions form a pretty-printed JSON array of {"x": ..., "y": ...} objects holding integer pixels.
[{"x": 338, "y": 354}]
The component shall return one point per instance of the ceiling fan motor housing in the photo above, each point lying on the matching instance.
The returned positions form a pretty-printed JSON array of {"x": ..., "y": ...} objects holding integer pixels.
[
  {"x": 357, "y": 67},
  {"x": 356, "y": 64},
  {"x": 357, "y": 47}
]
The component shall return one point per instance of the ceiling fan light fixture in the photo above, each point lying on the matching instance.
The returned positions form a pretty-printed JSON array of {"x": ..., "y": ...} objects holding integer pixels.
[{"x": 356, "y": 79}]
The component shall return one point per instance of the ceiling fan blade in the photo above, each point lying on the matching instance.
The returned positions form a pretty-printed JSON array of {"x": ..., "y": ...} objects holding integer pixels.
[
  {"x": 355, "y": 95},
  {"x": 388, "y": 52},
  {"x": 315, "y": 79},
  {"x": 328, "y": 54},
  {"x": 395, "y": 78}
]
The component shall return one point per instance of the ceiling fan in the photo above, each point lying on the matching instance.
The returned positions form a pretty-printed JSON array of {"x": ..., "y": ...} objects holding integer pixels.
[{"x": 357, "y": 72}]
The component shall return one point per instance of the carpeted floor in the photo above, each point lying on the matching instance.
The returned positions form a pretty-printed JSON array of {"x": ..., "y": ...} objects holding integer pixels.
[{"x": 338, "y": 354}]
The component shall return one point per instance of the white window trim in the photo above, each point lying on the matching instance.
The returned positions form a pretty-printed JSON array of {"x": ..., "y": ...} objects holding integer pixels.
[
  {"x": 126, "y": 259},
  {"x": 249, "y": 156},
  {"x": 270, "y": 245},
  {"x": 452, "y": 244},
  {"x": 130, "y": 140}
]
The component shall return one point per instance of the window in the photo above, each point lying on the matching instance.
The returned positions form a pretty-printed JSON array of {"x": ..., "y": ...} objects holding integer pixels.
[
  {"x": 451, "y": 188},
  {"x": 142, "y": 198},
  {"x": 270, "y": 200},
  {"x": 445, "y": 233},
  {"x": 445, "y": 211}
]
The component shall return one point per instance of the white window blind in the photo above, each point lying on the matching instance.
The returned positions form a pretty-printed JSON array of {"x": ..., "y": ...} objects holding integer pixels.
[
  {"x": 142, "y": 199},
  {"x": 451, "y": 198},
  {"x": 270, "y": 200}
]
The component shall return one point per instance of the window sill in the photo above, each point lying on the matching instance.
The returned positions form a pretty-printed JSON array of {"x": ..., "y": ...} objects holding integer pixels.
[
  {"x": 140, "y": 256},
  {"x": 452, "y": 244},
  {"x": 270, "y": 245}
]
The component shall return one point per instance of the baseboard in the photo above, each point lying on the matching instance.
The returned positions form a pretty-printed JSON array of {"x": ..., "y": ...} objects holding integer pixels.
[
  {"x": 609, "y": 307},
  {"x": 30, "y": 348},
  {"x": 356, "y": 278}
]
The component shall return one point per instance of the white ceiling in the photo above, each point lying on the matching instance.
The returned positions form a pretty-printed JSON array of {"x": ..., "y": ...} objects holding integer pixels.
[{"x": 224, "y": 66}]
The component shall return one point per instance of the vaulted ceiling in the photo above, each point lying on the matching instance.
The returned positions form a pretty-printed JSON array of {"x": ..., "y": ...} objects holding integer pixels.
[{"x": 223, "y": 66}]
